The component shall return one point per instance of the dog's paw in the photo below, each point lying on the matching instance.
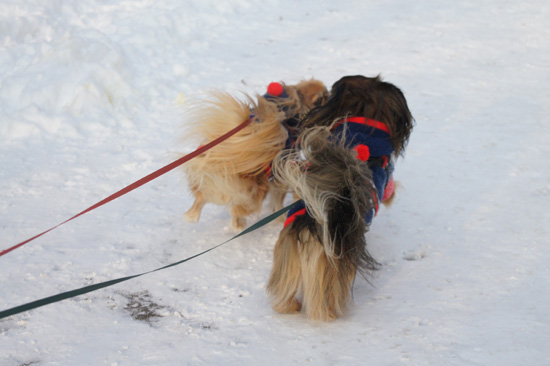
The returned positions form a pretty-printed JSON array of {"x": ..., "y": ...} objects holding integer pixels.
[
  {"x": 192, "y": 216},
  {"x": 289, "y": 307},
  {"x": 327, "y": 314},
  {"x": 238, "y": 223}
]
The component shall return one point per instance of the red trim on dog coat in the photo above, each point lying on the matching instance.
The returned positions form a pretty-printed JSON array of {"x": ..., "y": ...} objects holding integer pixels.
[
  {"x": 364, "y": 121},
  {"x": 290, "y": 219}
]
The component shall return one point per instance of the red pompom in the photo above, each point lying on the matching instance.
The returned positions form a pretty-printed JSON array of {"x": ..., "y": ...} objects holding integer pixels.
[
  {"x": 275, "y": 89},
  {"x": 363, "y": 152}
]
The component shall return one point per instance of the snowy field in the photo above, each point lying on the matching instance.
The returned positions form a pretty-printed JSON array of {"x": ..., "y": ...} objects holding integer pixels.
[{"x": 91, "y": 97}]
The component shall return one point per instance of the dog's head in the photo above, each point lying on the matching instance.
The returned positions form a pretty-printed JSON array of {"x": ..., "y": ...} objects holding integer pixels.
[
  {"x": 370, "y": 98},
  {"x": 301, "y": 98},
  {"x": 312, "y": 93}
]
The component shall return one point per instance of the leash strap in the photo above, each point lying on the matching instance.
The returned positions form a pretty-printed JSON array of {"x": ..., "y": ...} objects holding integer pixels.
[
  {"x": 140, "y": 182},
  {"x": 84, "y": 290}
]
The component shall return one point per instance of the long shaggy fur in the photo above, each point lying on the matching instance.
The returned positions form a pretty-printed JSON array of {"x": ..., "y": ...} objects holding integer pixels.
[
  {"x": 233, "y": 173},
  {"x": 317, "y": 256},
  {"x": 249, "y": 151},
  {"x": 368, "y": 97}
]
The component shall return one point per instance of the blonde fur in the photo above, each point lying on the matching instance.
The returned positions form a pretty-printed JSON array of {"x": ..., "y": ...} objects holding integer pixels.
[
  {"x": 303, "y": 97},
  {"x": 233, "y": 173},
  {"x": 251, "y": 150},
  {"x": 302, "y": 274}
]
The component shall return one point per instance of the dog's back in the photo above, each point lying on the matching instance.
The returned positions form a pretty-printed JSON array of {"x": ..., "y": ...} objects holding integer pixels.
[{"x": 249, "y": 151}]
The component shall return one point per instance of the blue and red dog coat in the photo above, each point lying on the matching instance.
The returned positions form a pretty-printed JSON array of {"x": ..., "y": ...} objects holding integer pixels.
[{"x": 371, "y": 140}]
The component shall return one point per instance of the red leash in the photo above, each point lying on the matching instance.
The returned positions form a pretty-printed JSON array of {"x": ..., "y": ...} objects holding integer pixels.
[{"x": 141, "y": 182}]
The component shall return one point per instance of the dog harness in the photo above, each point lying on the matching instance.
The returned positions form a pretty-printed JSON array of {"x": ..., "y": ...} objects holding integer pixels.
[{"x": 371, "y": 139}]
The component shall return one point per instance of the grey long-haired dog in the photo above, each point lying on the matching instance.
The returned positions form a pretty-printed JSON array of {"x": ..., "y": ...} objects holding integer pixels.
[{"x": 342, "y": 169}]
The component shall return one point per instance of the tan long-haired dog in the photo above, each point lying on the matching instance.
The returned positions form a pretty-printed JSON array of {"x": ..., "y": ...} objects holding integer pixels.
[
  {"x": 235, "y": 173},
  {"x": 342, "y": 169}
]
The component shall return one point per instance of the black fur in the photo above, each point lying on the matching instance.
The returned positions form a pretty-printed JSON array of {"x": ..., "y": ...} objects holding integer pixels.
[{"x": 368, "y": 97}]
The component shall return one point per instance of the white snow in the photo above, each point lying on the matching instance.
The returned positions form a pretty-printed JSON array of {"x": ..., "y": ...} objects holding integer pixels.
[{"x": 90, "y": 101}]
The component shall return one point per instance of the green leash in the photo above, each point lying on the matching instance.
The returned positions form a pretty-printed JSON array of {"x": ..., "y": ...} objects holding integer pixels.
[{"x": 84, "y": 290}]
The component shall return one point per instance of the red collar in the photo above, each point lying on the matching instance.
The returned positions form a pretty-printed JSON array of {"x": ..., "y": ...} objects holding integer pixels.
[{"x": 364, "y": 121}]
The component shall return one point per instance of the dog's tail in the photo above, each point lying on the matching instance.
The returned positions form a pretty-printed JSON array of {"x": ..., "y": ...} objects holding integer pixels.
[
  {"x": 248, "y": 152},
  {"x": 338, "y": 193}
]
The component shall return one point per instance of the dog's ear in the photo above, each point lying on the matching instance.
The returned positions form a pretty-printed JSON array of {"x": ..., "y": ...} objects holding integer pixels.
[
  {"x": 312, "y": 92},
  {"x": 320, "y": 99},
  {"x": 400, "y": 119}
]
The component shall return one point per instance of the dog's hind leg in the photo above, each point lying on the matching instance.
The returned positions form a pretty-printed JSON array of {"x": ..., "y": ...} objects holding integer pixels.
[
  {"x": 238, "y": 214},
  {"x": 327, "y": 284},
  {"x": 240, "y": 209},
  {"x": 194, "y": 213},
  {"x": 316, "y": 272},
  {"x": 285, "y": 282}
]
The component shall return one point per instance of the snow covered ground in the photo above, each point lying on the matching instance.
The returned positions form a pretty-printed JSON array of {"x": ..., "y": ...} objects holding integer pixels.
[{"x": 90, "y": 101}]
